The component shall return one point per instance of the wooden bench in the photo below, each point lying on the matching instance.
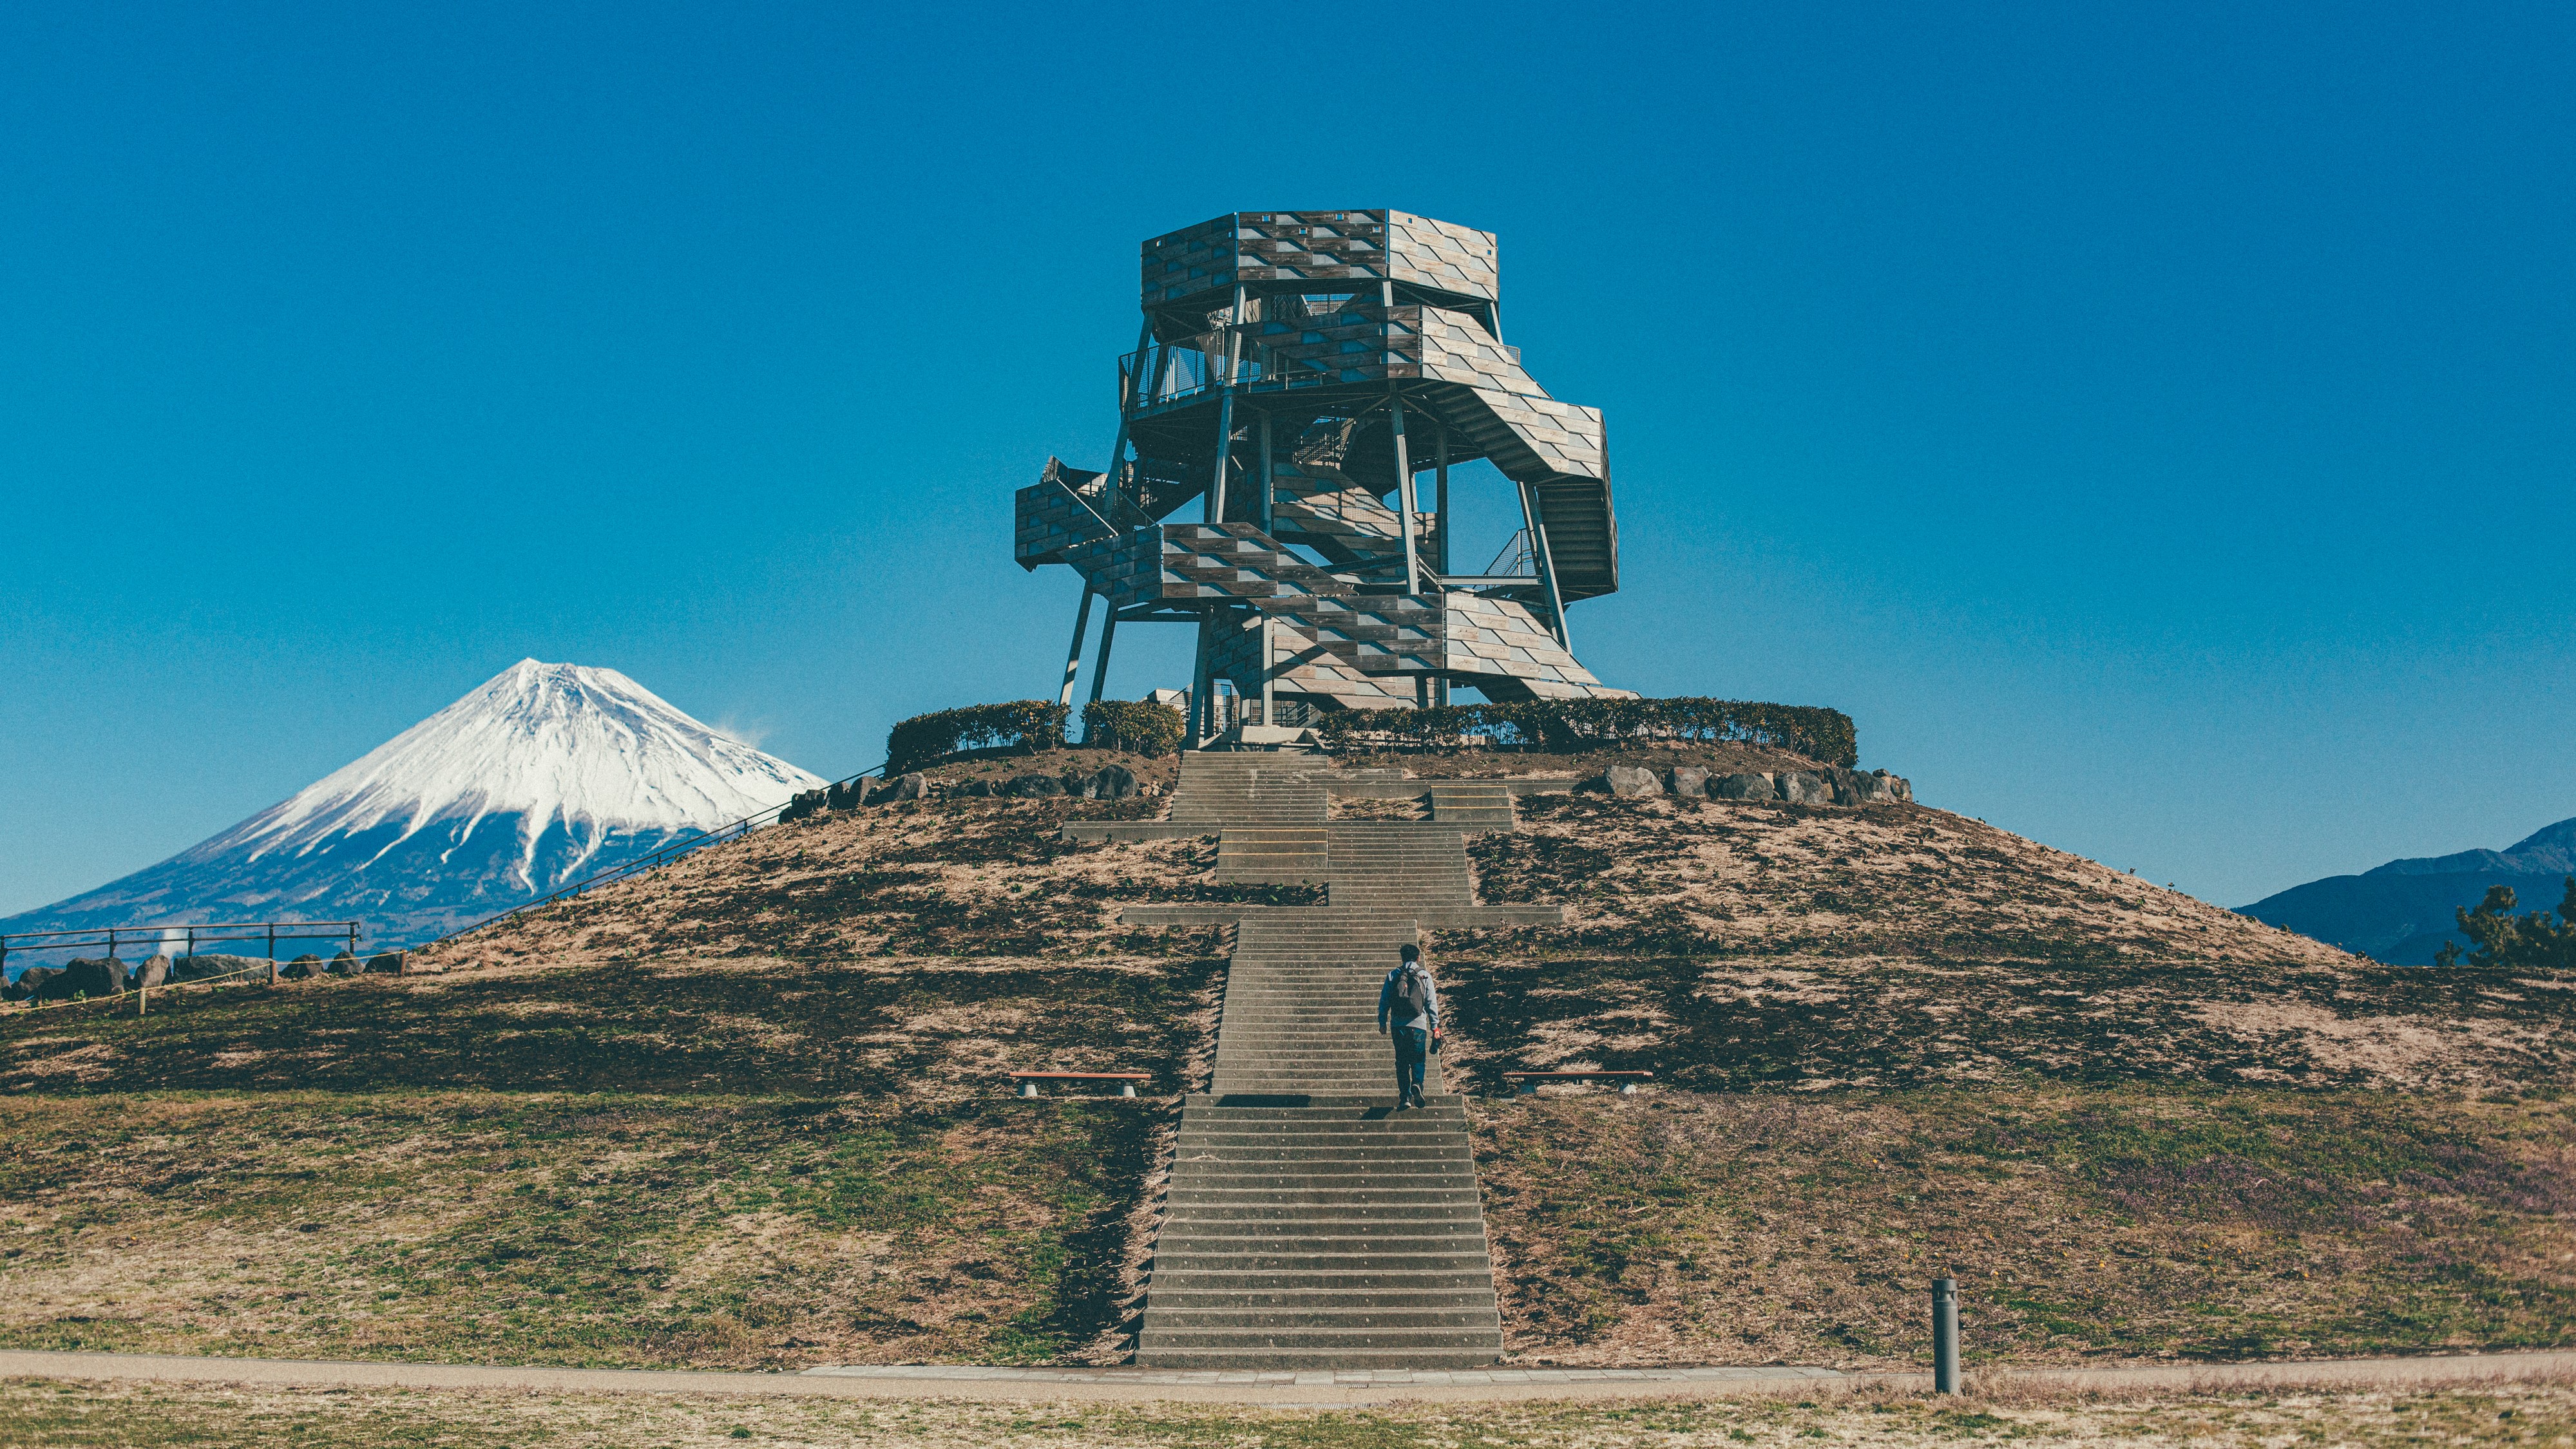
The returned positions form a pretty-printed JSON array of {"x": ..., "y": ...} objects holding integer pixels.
[
  {"x": 1029, "y": 1081},
  {"x": 1627, "y": 1080}
]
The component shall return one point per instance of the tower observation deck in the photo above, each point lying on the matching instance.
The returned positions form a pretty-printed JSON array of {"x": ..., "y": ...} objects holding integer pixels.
[{"x": 1295, "y": 375}]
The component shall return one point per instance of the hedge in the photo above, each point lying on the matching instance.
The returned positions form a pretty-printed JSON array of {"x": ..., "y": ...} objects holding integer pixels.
[
  {"x": 1571, "y": 726},
  {"x": 1036, "y": 723},
  {"x": 1138, "y": 727}
]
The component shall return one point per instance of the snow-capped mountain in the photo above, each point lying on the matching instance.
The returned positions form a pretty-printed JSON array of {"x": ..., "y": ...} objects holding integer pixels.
[{"x": 546, "y": 774}]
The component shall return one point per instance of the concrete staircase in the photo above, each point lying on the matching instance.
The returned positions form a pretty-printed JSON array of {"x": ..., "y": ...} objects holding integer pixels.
[
  {"x": 1321, "y": 1237},
  {"x": 1309, "y": 1224},
  {"x": 1300, "y": 1014},
  {"x": 1399, "y": 867},
  {"x": 1272, "y": 854},
  {"x": 1249, "y": 789},
  {"x": 1474, "y": 805}
]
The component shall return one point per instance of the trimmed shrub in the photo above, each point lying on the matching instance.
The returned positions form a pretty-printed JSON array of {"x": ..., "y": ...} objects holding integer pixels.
[
  {"x": 1140, "y": 727},
  {"x": 1035, "y": 723},
  {"x": 1572, "y": 726}
]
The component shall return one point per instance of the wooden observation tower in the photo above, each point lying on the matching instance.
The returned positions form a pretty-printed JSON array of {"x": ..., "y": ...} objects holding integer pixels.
[{"x": 1295, "y": 375}]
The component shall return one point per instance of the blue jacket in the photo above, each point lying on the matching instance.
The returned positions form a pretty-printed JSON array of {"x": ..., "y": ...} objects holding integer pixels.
[{"x": 1388, "y": 1003}]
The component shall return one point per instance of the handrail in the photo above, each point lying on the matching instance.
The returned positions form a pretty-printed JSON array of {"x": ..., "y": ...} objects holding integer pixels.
[{"x": 664, "y": 855}]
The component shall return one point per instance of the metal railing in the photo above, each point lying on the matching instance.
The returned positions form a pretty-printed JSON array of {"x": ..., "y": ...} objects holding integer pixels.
[
  {"x": 1228, "y": 710},
  {"x": 1263, "y": 350},
  {"x": 187, "y": 934}
]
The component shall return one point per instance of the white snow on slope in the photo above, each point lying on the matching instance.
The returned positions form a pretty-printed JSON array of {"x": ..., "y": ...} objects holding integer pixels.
[{"x": 536, "y": 744}]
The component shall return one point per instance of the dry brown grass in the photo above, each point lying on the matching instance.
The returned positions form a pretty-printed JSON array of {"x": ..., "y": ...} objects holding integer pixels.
[
  {"x": 1730, "y": 946},
  {"x": 2127, "y": 1223},
  {"x": 598, "y": 1230},
  {"x": 149, "y": 1416},
  {"x": 1786, "y": 880}
]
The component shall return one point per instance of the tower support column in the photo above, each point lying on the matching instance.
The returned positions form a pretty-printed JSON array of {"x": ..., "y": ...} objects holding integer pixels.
[
  {"x": 1440, "y": 539},
  {"x": 1404, "y": 499},
  {"x": 1265, "y": 471},
  {"x": 1225, "y": 410},
  {"x": 1203, "y": 685},
  {"x": 1073, "y": 655},
  {"x": 1269, "y": 669},
  {"x": 1100, "y": 666},
  {"x": 1546, "y": 563}
]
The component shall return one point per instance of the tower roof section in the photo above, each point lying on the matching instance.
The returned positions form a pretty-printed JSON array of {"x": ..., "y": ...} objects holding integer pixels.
[{"x": 1264, "y": 249}]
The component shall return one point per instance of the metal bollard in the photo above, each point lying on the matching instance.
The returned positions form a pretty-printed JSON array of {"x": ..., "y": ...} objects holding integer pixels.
[{"x": 1945, "y": 1335}]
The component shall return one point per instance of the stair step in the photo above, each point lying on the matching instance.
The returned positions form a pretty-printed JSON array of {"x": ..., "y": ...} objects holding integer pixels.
[
  {"x": 1310, "y": 1280},
  {"x": 1387, "y": 1338},
  {"x": 1458, "y": 1262},
  {"x": 1251, "y": 1359},
  {"x": 1302, "y": 1321}
]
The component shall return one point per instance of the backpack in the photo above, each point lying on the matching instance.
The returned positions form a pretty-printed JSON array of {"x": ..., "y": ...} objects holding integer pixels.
[{"x": 1413, "y": 988}]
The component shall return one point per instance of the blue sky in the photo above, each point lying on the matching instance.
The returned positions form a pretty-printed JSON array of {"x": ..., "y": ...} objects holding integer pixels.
[{"x": 2153, "y": 424}]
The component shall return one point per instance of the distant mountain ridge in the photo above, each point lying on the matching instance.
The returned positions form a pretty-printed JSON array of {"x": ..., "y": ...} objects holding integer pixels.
[
  {"x": 2401, "y": 912},
  {"x": 2550, "y": 850},
  {"x": 544, "y": 774}
]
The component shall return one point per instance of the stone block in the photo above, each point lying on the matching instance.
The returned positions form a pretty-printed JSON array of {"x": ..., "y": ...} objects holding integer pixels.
[
  {"x": 1689, "y": 782},
  {"x": 1851, "y": 787},
  {"x": 901, "y": 787},
  {"x": 387, "y": 963},
  {"x": 303, "y": 968},
  {"x": 1742, "y": 787},
  {"x": 1114, "y": 782},
  {"x": 1033, "y": 787},
  {"x": 1799, "y": 787},
  {"x": 154, "y": 972},
  {"x": 1629, "y": 781},
  {"x": 91, "y": 976},
  {"x": 32, "y": 984}
]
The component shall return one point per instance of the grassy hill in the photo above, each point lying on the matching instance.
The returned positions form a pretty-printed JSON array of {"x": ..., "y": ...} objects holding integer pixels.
[{"x": 750, "y": 1110}]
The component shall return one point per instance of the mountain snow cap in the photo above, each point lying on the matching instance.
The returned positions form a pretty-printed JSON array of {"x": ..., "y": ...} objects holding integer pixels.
[{"x": 573, "y": 743}]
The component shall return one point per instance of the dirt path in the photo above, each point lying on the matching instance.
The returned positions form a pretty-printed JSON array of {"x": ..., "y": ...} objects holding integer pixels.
[{"x": 1311, "y": 1389}]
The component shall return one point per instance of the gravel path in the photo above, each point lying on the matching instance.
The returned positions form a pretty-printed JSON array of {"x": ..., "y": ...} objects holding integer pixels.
[{"x": 1311, "y": 1389}]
